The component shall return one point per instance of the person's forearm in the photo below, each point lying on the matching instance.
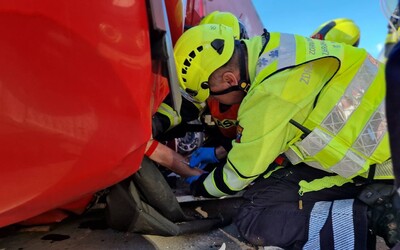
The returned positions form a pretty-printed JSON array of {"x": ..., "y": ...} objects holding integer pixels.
[{"x": 170, "y": 159}]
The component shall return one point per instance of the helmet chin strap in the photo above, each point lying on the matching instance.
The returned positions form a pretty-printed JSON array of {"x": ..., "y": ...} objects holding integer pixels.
[{"x": 244, "y": 84}]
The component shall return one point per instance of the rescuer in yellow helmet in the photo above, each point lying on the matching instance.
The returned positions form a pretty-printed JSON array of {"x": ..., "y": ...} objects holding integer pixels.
[
  {"x": 319, "y": 102},
  {"x": 342, "y": 30}
]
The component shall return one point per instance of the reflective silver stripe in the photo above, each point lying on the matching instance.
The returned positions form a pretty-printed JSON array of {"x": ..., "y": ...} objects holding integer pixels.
[
  {"x": 285, "y": 54},
  {"x": 312, "y": 145},
  {"x": 384, "y": 169},
  {"x": 210, "y": 186},
  {"x": 318, "y": 217},
  {"x": 293, "y": 157},
  {"x": 343, "y": 225},
  {"x": 314, "y": 142},
  {"x": 373, "y": 132},
  {"x": 309, "y": 147},
  {"x": 369, "y": 138},
  {"x": 350, "y": 101},
  {"x": 173, "y": 117},
  {"x": 235, "y": 182},
  {"x": 349, "y": 165},
  {"x": 287, "y": 51},
  {"x": 317, "y": 165}
]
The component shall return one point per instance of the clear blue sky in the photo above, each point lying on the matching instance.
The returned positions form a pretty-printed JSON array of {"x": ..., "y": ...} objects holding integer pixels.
[{"x": 304, "y": 16}]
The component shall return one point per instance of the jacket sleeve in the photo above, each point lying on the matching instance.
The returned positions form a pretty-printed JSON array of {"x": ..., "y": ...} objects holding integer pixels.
[{"x": 264, "y": 117}]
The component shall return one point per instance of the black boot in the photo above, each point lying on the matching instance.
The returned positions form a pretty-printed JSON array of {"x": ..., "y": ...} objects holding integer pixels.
[{"x": 383, "y": 211}]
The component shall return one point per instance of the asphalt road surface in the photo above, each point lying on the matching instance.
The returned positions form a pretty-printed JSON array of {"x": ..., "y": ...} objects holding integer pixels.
[{"x": 89, "y": 231}]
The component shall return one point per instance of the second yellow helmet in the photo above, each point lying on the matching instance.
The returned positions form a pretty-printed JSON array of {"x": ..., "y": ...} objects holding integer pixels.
[
  {"x": 340, "y": 30},
  {"x": 228, "y": 19}
]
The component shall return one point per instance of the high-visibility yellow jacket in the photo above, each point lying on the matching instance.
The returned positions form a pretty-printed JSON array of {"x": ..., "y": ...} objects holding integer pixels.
[{"x": 334, "y": 90}]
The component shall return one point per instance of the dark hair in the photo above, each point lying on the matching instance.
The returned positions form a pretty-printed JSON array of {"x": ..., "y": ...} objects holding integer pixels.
[{"x": 230, "y": 64}]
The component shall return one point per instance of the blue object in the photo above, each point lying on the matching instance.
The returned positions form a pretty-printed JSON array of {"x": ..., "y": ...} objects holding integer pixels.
[
  {"x": 202, "y": 166},
  {"x": 203, "y": 156}
]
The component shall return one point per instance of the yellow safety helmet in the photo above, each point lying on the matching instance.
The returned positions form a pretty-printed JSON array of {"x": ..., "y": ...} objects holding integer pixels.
[
  {"x": 198, "y": 53},
  {"x": 228, "y": 19},
  {"x": 340, "y": 30}
]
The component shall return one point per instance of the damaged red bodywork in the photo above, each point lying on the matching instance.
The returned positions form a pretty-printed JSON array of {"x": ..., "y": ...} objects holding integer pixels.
[{"x": 79, "y": 82}]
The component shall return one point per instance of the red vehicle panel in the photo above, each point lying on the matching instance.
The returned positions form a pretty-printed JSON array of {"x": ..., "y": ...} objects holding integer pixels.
[
  {"x": 79, "y": 82},
  {"x": 75, "y": 90}
]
